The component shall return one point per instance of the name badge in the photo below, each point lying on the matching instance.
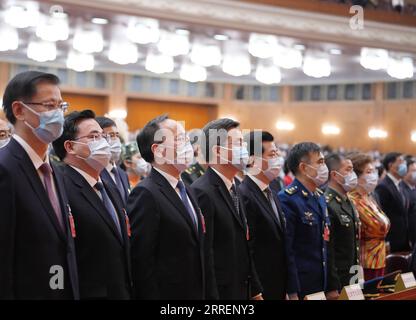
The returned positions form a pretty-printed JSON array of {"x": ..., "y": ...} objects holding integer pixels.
[
  {"x": 316, "y": 296},
  {"x": 405, "y": 281},
  {"x": 351, "y": 292}
]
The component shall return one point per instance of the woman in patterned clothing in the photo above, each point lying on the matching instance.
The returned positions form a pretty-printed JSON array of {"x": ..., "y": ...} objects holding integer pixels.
[{"x": 374, "y": 223}]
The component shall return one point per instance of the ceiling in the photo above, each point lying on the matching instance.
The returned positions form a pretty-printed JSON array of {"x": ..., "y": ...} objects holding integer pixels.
[{"x": 345, "y": 67}]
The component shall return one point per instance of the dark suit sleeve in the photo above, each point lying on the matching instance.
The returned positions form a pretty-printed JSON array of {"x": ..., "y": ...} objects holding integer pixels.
[
  {"x": 7, "y": 234},
  {"x": 144, "y": 218},
  {"x": 205, "y": 204},
  {"x": 290, "y": 214},
  {"x": 333, "y": 279}
]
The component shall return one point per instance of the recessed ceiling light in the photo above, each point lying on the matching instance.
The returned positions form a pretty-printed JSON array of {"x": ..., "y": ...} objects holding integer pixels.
[
  {"x": 183, "y": 32},
  {"x": 220, "y": 37},
  {"x": 335, "y": 51},
  {"x": 99, "y": 20},
  {"x": 299, "y": 46}
]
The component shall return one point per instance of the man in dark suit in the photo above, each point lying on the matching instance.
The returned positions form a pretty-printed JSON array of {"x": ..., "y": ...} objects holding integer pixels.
[
  {"x": 37, "y": 252},
  {"x": 168, "y": 229},
  {"x": 100, "y": 223},
  {"x": 264, "y": 215},
  {"x": 227, "y": 231},
  {"x": 394, "y": 203},
  {"x": 408, "y": 187},
  {"x": 113, "y": 174}
]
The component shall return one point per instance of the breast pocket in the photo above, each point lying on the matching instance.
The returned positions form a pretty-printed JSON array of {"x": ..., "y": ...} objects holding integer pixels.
[{"x": 345, "y": 220}]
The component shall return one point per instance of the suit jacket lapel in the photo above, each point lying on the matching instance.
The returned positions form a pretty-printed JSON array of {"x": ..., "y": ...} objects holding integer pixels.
[
  {"x": 262, "y": 199},
  {"x": 32, "y": 175},
  {"x": 174, "y": 198},
  {"x": 225, "y": 194},
  {"x": 395, "y": 191},
  {"x": 91, "y": 196},
  {"x": 114, "y": 196}
]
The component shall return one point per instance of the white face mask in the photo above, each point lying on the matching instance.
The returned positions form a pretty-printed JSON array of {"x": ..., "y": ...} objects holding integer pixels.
[
  {"x": 274, "y": 167},
  {"x": 115, "y": 148},
  {"x": 350, "y": 181},
  {"x": 184, "y": 156},
  {"x": 240, "y": 157},
  {"x": 370, "y": 183},
  {"x": 142, "y": 167},
  {"x": 100, "y": 154},
  {"x": 4, "y": 142},
  {"x": 321, "y": 174}
]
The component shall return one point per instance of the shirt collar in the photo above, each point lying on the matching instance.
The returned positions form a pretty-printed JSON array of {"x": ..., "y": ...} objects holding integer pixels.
[
  {"x": 259, "y": 183},
  {"x": 171, "y": 179},
  {"x": 228, "y": 183},
  {"x": 110, "y": 167},
  {"x": 395, "y": 181},
  {"x": 34, "y": 157},
  {"x": 343, "y": 197},
  {"x": 91, "y": 181},
  {"x": 409, "y": 185}
]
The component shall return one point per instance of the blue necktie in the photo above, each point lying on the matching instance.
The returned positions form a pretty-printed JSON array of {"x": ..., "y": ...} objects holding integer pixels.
[
  {"x": 184, "y": 198},
  {"x": 118, "y": 182},
  {"x": 108, "y": 205}
]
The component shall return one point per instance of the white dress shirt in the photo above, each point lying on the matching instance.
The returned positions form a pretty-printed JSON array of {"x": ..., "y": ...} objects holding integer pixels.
[
  {"x": 228, "y": 183},
  {"x": 92, "y": 182},
  {"x": 174, "y": 182},
  {"x": 36, "y": 160}
]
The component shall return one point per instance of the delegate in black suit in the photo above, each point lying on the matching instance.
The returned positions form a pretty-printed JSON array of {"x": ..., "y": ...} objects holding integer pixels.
[
  {"x": 394, "y": 205},
  {"x": 31, "y": 239},
  {"x": 125, "y": 188},
  {"x": 235, "y": 276},
  {"x": 268, "y": 239},
  {"x": 411, "y": 200},
  {"x": 167, "y": 251},
  {"x": 103, "y": 255}
]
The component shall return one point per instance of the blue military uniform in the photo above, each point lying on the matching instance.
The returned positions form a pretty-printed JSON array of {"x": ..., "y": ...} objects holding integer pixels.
[{"x": 307, "y": 230}]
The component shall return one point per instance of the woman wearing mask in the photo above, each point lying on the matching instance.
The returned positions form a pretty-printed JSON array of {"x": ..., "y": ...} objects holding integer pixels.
[
  {"x": 374, "y": 223},
  {"x": 133, "y": 163}
]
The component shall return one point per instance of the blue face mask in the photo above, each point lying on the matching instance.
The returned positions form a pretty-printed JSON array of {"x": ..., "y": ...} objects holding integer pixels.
[
  {"x": 402, "y": 169},
  {"x": 51, "y": 124}
]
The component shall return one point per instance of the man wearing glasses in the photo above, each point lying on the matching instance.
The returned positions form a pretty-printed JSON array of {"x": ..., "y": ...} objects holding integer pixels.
[
  {"x": 99, "y": 223},
  {"x": 36, "y": 250},
  {"x": 5, "y": 133},
  {"x": 168, "y": 230}
]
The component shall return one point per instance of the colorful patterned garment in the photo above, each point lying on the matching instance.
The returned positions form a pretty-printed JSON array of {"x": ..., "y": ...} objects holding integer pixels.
[{"x": 374, "y": 227}]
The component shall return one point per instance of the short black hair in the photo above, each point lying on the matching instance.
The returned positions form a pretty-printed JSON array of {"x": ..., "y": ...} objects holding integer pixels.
[
  {"x": 23, "y": 87},
  {"x": 207, "y": 141},
  {"x": 146, "y": 137},
  {"x": 105, "y": 122},
  {"x": 254, "y": 137},
  {"x": 390, "y": 158},
  {"x": 70, "y": 130},
  {"x": 301, "y": 152},
  {"x": 409, "y": 160},
  {"x": 333, "y": 161}
]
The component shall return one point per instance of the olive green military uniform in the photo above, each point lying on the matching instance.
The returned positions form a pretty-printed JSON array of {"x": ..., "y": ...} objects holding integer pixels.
[{"x": 344, "y": 237}]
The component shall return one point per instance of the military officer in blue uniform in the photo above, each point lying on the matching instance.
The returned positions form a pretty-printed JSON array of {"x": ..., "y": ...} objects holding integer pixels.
[{"x": 307, "y": 223}]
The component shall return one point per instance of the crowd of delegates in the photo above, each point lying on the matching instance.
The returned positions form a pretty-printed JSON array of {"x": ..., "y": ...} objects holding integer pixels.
[{"x": 206, "y": 214}]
